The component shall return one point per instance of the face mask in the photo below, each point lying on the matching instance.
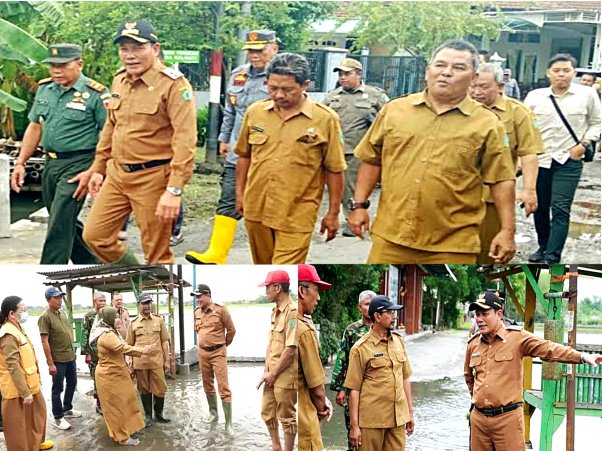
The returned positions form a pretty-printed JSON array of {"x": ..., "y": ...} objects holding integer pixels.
[{"x": 24, "y": 317}]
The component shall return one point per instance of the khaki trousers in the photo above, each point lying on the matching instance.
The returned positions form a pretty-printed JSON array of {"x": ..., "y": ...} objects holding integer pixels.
[
  {"x": 121, "y": 193},
  {"x": 386, "y": 252},
  {"x": 270, "y": 246},
  {"x": 383, "y": 439},
  {"x": 214, "y": 366},
  {"x": 503, "y": 432},
  {"x": 487, "y": 232},
  {"x": 151, "y": 381},
  {"x": 280, "y": 403},
  {"x": 24, "y": 425}
]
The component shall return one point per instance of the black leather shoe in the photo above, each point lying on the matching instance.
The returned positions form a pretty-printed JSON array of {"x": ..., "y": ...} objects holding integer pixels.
[{"x": 536, "y": 257}]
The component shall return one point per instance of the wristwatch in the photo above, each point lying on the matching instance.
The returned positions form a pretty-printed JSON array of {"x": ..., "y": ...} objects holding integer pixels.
[
  {"x": 173, "y": 190},
  {"x": 352, "y": 204}
]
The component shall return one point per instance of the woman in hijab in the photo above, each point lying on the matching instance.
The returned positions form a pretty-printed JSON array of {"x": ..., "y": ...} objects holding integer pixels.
[
  {"x": 115, "y": 390},
  {"x": 22, "y": 401}
]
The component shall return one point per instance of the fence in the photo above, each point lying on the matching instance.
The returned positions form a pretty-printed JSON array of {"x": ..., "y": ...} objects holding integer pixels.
[{"x": 398, "y": 75}]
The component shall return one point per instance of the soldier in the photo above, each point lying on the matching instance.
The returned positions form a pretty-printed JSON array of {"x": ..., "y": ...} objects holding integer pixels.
[
  {"x": 378, "y": 379},
  {"x": 149, "y": 329},
  {"x": 67, "y": 117},
  {"x": 89, "y": 351},
  {"x": 247, "y": 85},
  {"x": 146, "y": 151},
  {"x": 215, "y": 331},
  {"x": 525, "y": 142},
  {"x": 280, "y": 373},
  {"x": 445, "y": 148},
  {"x": 493, "y": 370},
  {"x": 357, "y": 105},
  {"x": 314, "y": 406},
  {"x": 289, "y": 134},
  {"x": 122, "y": 314},
  {"x": 353, "y": 332}
]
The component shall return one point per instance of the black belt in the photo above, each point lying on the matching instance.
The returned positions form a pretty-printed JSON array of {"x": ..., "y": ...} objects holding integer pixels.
[
  {"x": 211, "y": 348},
  {"x": 495, "y": 411},
  {"x": 140, "y": 166},
  {"x": 62, "y": 155}
]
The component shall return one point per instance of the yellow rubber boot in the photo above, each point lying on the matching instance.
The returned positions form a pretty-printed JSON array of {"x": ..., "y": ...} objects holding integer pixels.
[
  {"x": 224, "y": 229},
  {"x": 48, "y": 444}
]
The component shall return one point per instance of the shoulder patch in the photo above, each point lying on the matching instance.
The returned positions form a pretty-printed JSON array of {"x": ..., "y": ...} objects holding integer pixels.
[
  {"x": 172, "y": 73},
  {"x": 292, "y": 323},
  {"x": 98, "y": 87},
  {"x": 478, "y": 334},
  {"x": 44, "y": 81}
]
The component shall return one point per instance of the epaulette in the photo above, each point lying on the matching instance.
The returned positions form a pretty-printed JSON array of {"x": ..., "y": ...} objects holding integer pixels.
[
  {"x": 120, "y": 70},
  {"x": 473, "y": 337},
  {"x": 98, "y": 87},
  {"x": 158, "y": 316},
  {"x": 198, "y": 307},
  {"x": 135, "y": 318},
  {"x": 327, "y": 108},
  {"x": 44, "y": 81},
  {"x": 172, "y": 73},
  {"x": 397, "y": 332},
  {"x": 362, "y": 339},
  {"x": 514, "y": 327}
]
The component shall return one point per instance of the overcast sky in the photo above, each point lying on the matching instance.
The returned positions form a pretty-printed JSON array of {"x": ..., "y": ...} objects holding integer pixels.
[{"x": 228, "y": 282}]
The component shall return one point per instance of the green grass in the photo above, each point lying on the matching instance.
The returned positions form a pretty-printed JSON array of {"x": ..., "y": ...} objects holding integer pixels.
[{"x": 201, "y": 193}]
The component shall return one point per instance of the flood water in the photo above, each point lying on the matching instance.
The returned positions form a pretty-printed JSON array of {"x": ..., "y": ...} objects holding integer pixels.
[
  {"x": 24, "y": 204},
  {"x": 441, "y": 400}
]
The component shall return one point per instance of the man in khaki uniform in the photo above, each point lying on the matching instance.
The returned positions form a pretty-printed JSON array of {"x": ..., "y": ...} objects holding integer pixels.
[
  {"x": 493, "y": 370},
  {"x": 215, "y": 331},
  {"x": 122, "y": 314},
  {"x": 378, "y": 379},
  {"x": 357, "y": 105},
  {"x": 289, "y": 134},
  {"x": 149, "y": 329},
  {"x": 280, "y": 372},
  {"x": 146, "y": 151},
  {"x": 314, "y": 406},
  {"x": 525, "y": 142},
  {"x": 433, "y": 151}
]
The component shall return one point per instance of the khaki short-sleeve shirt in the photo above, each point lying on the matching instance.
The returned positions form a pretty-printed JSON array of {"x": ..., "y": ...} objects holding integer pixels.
[
  {"x": 147, "y": 331},
  {"x": 283, "y": 334},
  {"x": 214, "y": 325},
  {"x": 377, "y": 369},
  {"x": 433, "y": 169},
  {"x": 289, "y": 161}
]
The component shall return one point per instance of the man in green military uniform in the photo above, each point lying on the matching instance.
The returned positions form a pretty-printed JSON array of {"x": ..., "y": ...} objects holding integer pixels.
[
  {"x": 88, "y": 350},
  {"x": 66, "y": 117},
  {"x": 353, "y": 332},
  {"x": 357, "y": 105}
]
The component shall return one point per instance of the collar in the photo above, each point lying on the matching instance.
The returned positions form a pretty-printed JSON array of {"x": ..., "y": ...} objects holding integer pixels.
[
  {"x": 208, "y": 308},
  {"x": 360, "y": 88},
  {"x": 283, "y": 307},
  {"x": 375, "y": 338},
  {"x": 307, "y": 107},
  {"x": 501, "y": 103},
  {"x": 252, "y": 72},
  {"x": 501, "y": 333},
  {"x": 79, "y": 85},
  {"x": 572, "y": 90},
  {"x": 466, "y": 106}
]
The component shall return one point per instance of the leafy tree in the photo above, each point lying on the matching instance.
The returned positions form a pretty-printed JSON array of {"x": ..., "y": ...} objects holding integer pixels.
[
  {"x": 419, "y": 26},
  {"x": 338, "y": 306}
]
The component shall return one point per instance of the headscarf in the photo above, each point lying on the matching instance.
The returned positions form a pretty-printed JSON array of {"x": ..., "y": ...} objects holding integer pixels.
[{"x": 104, "y": 322}]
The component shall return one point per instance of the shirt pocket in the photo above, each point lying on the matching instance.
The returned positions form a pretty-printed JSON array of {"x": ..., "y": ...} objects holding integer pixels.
[
  {"x": 503, "y": 360},
  {"x": 72, "y": 114},
  {"x": 377, "y": 369},
  {"x": 461, "y": 161},
  {"x": 146, "y": 106},
  {"x": 307, "y": 150},
  {"x": 278, "y": 332},
  {"x": 363, "y": 104},
  {"x": 258, "y": 143},
  {"x": 475, "y": 360},
  {"x": 42, "y": 108}
]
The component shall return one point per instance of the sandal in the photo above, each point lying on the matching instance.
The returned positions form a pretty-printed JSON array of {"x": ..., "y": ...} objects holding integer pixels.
[{"x": 130, "y": 442}]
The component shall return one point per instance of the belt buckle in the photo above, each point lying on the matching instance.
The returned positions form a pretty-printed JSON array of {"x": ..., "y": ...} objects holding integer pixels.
[
  {"x": 127, "y": 167},
  {"x": 52, "y": 155}
]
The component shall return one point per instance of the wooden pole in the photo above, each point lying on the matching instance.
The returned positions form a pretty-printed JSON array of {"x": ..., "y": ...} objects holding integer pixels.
[{"x": 570, "y": 395}]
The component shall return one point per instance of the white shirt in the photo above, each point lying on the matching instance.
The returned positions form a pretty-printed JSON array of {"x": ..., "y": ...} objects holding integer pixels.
[{"x": 580, "y": 106}]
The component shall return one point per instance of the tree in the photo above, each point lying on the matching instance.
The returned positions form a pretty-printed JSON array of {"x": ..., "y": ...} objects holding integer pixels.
[
  {"x": 419, "y": 26},
  {"x": 338, "y": 306}
]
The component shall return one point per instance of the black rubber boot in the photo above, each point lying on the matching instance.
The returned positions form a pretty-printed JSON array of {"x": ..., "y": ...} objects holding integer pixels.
[
  {"x": 159, "y": 404},
  {"x": 147, "y": 403}
]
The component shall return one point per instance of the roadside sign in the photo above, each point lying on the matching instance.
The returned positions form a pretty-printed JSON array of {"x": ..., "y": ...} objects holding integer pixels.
[{"x": 182, "y": 56}]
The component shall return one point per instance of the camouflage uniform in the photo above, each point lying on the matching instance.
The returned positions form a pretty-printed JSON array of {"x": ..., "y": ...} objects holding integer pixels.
[
  {"x": 353, "y": 332},
  {"x": 87, "y": 348}
]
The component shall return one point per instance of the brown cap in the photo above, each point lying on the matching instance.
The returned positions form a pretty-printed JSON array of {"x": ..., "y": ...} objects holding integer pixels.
[
  {"x": 348, "y": 64},
  {"x": 259, "y": 39}
]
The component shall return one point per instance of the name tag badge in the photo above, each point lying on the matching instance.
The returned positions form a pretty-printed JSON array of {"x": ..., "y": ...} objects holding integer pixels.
[
  {"x": 475, "y": 354},
  {"x": 378, "y": 354},
  {"x": 76, "y": 106}
]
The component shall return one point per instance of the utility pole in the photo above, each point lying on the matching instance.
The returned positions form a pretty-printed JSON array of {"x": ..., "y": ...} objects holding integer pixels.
[
  {"x": 245, "y": 11},
  {"x": 215, "y": 85}
]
